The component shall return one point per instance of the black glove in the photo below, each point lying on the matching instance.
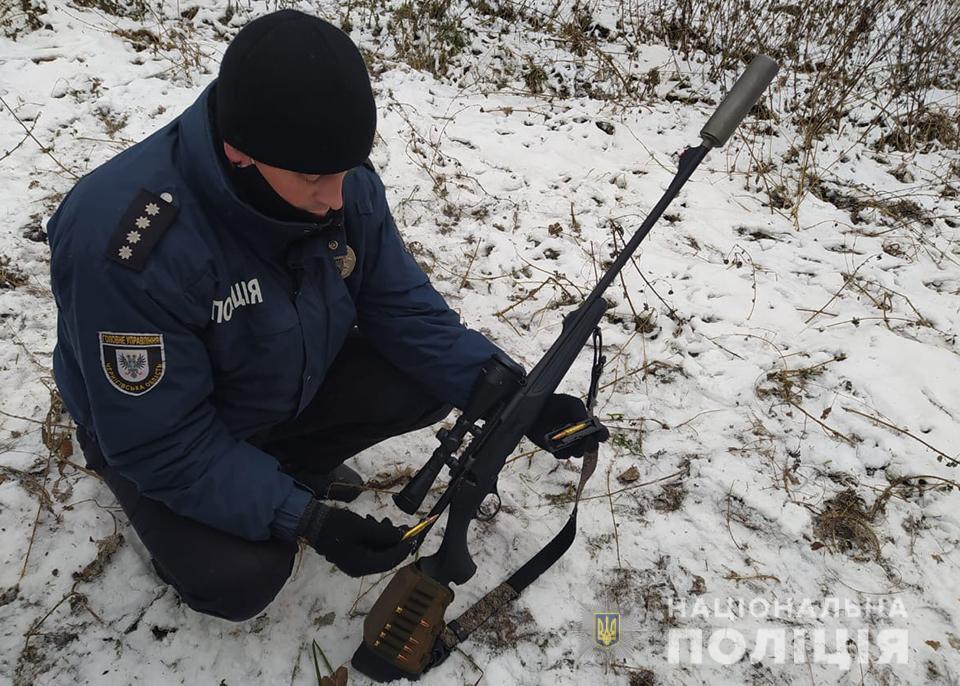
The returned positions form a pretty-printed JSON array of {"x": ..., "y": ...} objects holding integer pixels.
[
  {"x": 357, "y": 545},
  {"x": 559, "y": 411}
]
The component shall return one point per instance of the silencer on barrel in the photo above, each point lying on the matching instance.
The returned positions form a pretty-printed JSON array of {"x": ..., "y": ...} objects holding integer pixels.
[{"x": 740, "y": 100}]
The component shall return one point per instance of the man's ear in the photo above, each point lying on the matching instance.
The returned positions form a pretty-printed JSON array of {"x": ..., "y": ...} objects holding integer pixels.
[{"x": 236, "y": 157}]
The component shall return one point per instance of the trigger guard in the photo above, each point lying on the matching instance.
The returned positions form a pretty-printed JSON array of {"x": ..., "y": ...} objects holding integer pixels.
[{"x": 487, "y": 517}]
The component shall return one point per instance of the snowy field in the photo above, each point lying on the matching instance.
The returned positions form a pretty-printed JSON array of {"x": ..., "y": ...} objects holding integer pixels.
[{"x": 783, "y": 382}]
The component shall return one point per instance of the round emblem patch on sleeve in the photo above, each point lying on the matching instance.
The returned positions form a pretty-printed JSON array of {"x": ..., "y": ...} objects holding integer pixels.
[{"x": 133, "y": 362}]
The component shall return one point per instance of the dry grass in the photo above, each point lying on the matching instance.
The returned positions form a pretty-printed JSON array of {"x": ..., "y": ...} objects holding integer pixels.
[
  {"x": 921, "y": 130},
  {"x": 790, "y": 384},
  {"x": 643, "y": 677},
  {"x": 11, "y": 276},
  {"x": 21, "y": 16},
  {"x": 132, "y": 9},
  {"x": 504, "y": 630},
  {"x": 670, "y": 498},
  {"x": 898, "y": 210},
  {"x": 844, "y": 525}
]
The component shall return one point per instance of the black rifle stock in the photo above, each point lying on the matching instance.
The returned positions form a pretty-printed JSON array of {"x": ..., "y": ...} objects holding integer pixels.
[{"x": 404, "y": 634}]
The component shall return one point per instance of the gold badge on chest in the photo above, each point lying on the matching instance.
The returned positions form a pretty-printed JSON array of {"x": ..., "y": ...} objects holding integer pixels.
[{"x": 346, "y": 263}]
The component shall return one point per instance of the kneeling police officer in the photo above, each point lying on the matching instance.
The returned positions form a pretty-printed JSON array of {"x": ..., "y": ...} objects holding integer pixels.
[{"x": 238, "y": 315}]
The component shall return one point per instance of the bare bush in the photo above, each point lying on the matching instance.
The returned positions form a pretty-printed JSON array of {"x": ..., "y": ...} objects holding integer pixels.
[
  {"x": 881, "y": 66},
  {"x": 883, "y": 73},
  {"x": 21, "y": 16},
  {"x": 132, "y": 9}
]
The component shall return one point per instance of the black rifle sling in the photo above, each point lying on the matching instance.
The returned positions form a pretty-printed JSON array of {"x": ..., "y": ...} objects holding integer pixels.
[{"x": 460, "y": 628}]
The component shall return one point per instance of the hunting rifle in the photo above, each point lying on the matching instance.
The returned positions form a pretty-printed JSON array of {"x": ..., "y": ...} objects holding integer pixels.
[{"x": 404, "y": 634}]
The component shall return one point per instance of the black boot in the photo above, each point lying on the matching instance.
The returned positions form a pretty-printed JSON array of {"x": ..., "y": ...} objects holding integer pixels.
[{"x": 343, "y": 483}]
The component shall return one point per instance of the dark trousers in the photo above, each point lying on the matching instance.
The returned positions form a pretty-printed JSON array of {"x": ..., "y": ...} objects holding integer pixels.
[{"x": 363, "y": 400}]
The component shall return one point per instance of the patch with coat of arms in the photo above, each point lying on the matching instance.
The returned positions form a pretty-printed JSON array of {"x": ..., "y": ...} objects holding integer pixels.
[{"x": 133, "y": 362}]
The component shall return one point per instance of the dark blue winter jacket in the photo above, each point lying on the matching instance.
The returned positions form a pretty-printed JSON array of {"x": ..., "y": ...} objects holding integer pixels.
[{"x": 179, "y": 335}]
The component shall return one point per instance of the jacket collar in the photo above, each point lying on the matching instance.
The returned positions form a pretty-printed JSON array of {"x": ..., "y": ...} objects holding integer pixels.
[{"x": 203, "y": 170}]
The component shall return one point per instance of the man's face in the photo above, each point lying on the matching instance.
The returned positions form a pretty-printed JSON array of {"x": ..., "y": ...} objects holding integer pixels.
[{"x": 314, "y": 193}]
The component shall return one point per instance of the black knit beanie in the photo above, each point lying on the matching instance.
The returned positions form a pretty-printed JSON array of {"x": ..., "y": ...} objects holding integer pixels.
[{"x": 293, "y": 92}]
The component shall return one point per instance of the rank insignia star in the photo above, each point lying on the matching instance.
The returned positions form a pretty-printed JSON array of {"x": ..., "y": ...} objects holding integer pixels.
[{"x": 141, "y": 227}]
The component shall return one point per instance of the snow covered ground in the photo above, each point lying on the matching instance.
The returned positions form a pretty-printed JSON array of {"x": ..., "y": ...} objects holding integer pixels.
[{"x": 784, "y": 390}]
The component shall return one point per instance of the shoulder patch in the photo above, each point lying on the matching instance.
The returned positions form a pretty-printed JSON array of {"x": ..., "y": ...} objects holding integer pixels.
[
  {"x": 133, "y": 362},
  {"x": 140, "y": 229}
]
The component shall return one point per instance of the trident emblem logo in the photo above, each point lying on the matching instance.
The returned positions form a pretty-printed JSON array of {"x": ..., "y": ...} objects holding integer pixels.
[{"x": 606, "y": 628}]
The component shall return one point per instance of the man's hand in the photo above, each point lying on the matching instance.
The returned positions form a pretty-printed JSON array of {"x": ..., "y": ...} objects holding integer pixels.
[
  {"x": 558, "y": 412},
  {"x": 357, "y": 545}
]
